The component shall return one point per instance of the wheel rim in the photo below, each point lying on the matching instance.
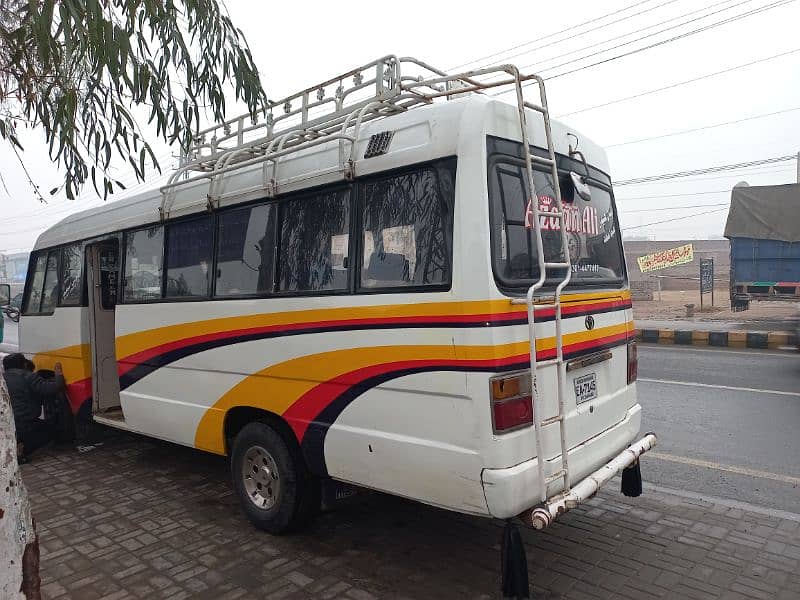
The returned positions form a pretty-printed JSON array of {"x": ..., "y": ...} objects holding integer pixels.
[{"x": 261, "y": 478}]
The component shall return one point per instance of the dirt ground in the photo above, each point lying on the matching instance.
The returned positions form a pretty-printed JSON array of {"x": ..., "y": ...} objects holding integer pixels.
[{"x": 673, "y": 306}]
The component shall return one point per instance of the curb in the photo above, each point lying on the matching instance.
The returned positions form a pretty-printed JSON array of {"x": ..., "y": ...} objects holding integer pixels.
[{"x": 760, "y": 340}]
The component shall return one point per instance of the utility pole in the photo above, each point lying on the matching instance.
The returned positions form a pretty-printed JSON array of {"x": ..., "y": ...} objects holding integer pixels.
[{"x": 798, "y": 167}]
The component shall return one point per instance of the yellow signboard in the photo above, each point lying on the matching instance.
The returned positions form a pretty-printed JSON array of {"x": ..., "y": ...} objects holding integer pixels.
[{"x": 666, "y": 258}]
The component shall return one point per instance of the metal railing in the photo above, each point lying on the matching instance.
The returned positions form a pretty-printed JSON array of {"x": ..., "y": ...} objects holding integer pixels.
[{"x": 333, "y": 110}]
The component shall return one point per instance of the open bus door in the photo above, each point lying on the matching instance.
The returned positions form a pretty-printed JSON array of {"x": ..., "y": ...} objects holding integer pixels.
[{"x": 102, "y": 268}]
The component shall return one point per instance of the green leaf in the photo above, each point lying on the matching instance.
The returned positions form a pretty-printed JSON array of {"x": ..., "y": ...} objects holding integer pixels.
[{"x": 81, "y": 65}]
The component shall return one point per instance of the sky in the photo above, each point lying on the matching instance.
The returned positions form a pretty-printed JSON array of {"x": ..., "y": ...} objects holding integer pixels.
[{"x": 746, "y": 114}]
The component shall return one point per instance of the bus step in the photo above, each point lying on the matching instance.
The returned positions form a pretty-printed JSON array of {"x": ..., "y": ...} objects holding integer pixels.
[
  {"x": 546, "y": 363},
  {"x": 535, "y": 107},
  {"x": 543, "y": 306},
  {"x": 541, "y": 160},
  {"x": 555, "y": 476},
  {"x": 539, "y": 303}
]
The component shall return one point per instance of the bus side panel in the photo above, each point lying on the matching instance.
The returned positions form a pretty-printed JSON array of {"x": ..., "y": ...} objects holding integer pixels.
[
  {"x": 287, "y": 375},
  {"x": 409, "y": 438},
  {"x": 61, "y": 337}
]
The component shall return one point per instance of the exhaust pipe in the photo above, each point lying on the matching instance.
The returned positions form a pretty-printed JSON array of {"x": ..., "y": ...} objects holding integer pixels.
[{"x": 544, "y": 515}]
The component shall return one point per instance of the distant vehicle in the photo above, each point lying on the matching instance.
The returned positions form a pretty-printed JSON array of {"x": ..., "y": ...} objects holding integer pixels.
[
  {"x": 13, "y": 309},
  {"x": 5, "y": 299},
  {"x": 12, "y": 313},
  {"x": 764, "y": 230},
  {"x": 357, "y": 290}
]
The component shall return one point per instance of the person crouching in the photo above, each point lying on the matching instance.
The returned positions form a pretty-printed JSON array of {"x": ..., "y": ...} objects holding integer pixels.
[{"x": 29, "y": 391}]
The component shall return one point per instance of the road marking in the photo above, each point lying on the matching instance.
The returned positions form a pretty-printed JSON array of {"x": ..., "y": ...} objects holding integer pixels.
[
  {"x": 717, "y": 387},
  {"x": 746, "y": 506},
  {"x": 696, "y": 462},
  {"x": 790, "y": 353}
]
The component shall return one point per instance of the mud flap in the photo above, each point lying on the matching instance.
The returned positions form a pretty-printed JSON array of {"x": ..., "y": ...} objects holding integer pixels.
[
  {"x": 632, "y": 481},
  {"x": 513, "y": 563}
]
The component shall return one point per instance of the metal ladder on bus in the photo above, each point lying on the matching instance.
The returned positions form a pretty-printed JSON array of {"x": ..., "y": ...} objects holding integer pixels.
[{"x": 535, "y": 305}]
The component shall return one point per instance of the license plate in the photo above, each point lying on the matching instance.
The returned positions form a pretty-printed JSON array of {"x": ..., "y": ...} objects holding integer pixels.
[{"x": 586, "y": 388}]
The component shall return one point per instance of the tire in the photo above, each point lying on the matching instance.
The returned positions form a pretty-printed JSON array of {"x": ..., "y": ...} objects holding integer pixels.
[{"x": 275, "y": 489}]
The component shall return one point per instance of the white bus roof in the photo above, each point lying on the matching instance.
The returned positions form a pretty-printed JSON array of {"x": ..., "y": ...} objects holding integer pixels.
[{"x": 441, "y": 129}]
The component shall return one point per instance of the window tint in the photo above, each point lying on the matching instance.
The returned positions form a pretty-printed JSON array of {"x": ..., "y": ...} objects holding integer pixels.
[
  {"x": 34, "y": 299},
  {"x": 314, "y": 242},
  {"x": 408, "y": 228},
  {"x": 245, "y": 250},
  {"x": 592, "y": 236},
  {"x": 71, "y": 275},
  {"x": 515, "y": 248},
  {"x": 188, "y": 257},
  {"x": 143, "y": 252},
  {"x": 50, "y": 290}
]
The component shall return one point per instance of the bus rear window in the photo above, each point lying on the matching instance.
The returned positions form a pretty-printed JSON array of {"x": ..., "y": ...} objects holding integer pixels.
[{"x": 592, "y": 233}]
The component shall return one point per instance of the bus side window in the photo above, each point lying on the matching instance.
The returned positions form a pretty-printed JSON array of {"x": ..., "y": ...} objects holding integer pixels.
[
  {"x": 314, "y": 241},
  {"x": 50, "y": 290},
  {"x": 71, "y": 275},
  {"x": 34, "y": 298},
  {"x": 245, "y": 250},
  {"x": 189, "y": 258},
  {"x": 408, "y": 229},
  {"x": 144, "y": 252},
  {"x": 108, "y": 277}
]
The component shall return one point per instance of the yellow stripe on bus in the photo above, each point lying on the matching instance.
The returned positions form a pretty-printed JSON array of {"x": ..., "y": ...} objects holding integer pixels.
[
  {"x": 137, "y": 342},
  {"x": 278, "y": 386}
]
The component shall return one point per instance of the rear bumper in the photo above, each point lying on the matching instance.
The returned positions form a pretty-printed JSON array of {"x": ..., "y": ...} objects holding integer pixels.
[
  {"x": 542, "y": 516},
  {"x": 512, "y": 491}
]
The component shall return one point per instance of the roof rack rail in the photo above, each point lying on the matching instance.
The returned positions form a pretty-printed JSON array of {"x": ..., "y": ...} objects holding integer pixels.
[{"x": 332, "y": 110}]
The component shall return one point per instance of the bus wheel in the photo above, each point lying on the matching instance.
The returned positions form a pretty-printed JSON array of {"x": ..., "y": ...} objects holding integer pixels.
[{"x": 275, "y": 489}]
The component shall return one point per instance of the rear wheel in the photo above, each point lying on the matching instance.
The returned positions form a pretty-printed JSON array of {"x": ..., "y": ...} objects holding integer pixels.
[{"x": 275, "y": 489}]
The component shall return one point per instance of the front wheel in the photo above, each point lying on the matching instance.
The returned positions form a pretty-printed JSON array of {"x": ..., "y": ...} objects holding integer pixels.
[{"x": 275, "y": 489}]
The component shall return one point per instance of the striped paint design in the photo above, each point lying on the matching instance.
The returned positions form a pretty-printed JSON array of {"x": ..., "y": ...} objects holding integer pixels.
[
  {"x": 144, "y": 352},
  {"x": 311, "y": 406}
]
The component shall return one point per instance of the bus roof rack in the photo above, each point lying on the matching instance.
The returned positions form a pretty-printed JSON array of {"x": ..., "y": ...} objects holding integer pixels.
[{"x": 332, "y": 110}]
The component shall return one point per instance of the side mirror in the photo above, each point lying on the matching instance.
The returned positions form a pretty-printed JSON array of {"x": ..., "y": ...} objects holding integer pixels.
[
  {"x": 580, "y": 186},
  {"x": 5, "y": 294}
]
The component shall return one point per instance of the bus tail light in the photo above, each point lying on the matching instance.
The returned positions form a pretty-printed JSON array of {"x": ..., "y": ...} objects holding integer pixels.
[
  {"x": 633, "y": 362},
  {"x": 512, "y": 404}
]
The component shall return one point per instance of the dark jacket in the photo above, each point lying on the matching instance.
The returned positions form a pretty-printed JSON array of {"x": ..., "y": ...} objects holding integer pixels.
[{"x": 28, "y": 391}]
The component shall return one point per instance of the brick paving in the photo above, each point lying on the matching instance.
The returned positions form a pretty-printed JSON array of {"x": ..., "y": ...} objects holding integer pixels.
[{"x": 139, "y": 518}]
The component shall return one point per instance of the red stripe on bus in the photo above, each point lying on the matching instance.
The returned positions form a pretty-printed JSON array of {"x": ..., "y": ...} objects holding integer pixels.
[
  {"x": 306, "y": 408},
  {"x": 79, "y": 392},
  {"x": 129, "y": 362}
]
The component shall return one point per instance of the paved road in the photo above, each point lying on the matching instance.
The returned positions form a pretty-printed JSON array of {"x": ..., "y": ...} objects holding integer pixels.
[
  {"x": 728, "y": 422},
  {"x": 137, "y": 518}
]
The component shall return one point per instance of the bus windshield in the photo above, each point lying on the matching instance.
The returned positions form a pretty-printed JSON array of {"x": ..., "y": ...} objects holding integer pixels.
[{"x": 593, "y": 235}]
